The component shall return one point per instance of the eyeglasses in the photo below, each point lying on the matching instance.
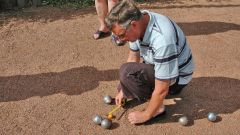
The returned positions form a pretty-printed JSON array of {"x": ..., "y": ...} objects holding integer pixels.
[{"x": 124, "y": 34}]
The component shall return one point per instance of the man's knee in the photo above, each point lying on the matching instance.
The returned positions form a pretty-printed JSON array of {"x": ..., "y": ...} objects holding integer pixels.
[{"x": 124, "y": 70}]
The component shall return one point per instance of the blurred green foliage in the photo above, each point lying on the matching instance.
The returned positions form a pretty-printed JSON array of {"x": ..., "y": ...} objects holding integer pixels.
[{"x": 76, "y": 4}]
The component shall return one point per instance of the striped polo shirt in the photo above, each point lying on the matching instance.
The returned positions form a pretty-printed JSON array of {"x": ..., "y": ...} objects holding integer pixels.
[{"x": 165, "y": 46}]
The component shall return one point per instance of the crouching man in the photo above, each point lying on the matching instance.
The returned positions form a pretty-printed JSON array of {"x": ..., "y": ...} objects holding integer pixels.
[{"x": 159, "y": 63}]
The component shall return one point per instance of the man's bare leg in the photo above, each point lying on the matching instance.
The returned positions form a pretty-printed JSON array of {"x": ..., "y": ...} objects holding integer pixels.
[{"x": 102, "y": 10}]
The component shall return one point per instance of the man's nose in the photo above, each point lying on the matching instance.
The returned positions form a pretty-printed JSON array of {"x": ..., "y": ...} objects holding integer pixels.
[{"x": 124, "y": 39}]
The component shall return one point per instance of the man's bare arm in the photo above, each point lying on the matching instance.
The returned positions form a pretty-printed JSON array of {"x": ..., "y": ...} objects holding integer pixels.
[
  {"x": 158, "y": 96},
  {"x": 133, "y": 56}
]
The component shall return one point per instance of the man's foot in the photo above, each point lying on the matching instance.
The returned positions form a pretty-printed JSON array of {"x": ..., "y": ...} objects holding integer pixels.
[{"x": 160, "y": 111}]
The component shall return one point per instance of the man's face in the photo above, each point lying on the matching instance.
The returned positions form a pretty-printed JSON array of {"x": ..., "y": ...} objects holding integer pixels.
[{"x": 126, "y": 34}]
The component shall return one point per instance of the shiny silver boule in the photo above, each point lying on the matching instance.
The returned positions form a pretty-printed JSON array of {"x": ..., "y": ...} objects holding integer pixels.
[
  {"x": 107, "y": 99},
  {"x": 97, "y": 119},
  {"x": 183, "y": 120},
  {"x": 212, "y": 116},
  {"x": 106, "y": 123}
]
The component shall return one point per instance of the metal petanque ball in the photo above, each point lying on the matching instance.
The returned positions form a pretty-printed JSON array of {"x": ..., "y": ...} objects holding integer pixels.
[
  {"x": 97, "y": 119},
  {"x": 212, "y": 116},
  {"x": 183, "y": 120},
  {"x": 106, "y": 123},
  {"x": 107, "y": 99}
]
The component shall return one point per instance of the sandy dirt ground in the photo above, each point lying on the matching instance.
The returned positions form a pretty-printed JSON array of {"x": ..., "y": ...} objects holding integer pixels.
[{"x": 53, "y": 75}]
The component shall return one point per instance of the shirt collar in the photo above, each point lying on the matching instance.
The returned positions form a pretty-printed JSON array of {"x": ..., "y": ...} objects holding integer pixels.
[{"x": 149, "y": 28}]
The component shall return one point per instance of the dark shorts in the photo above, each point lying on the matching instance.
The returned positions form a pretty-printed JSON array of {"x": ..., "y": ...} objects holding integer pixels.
[{"x": 137, "y": 80}]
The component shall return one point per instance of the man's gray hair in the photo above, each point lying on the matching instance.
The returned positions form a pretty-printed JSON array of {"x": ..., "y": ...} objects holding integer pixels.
[{"x": 123, "y": 13}]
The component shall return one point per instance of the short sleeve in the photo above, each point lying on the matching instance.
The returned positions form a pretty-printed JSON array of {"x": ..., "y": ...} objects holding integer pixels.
[{"x": 134, "y": 46}]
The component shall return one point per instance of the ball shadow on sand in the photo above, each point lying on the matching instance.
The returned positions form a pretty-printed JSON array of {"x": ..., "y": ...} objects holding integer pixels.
[
  {"x": 72, "y": 82},
  {"x": 114, "y": 126}
]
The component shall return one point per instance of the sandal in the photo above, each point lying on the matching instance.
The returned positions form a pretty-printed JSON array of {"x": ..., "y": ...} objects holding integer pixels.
[{"x": 101, "y": 34}]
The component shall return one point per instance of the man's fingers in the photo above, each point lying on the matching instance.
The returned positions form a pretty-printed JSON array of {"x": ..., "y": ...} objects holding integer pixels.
[{"x": 117, "y": 101}]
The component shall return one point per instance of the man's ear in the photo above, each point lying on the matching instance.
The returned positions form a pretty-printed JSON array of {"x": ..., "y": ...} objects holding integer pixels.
[{"x": 134, "y": 23}]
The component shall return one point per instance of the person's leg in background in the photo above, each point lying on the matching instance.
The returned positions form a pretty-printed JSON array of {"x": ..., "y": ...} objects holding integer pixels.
[
  {"x": 111, "y": 4},
  {"x": 103, "y": 7},
  {"x": 102, "y": 10}
]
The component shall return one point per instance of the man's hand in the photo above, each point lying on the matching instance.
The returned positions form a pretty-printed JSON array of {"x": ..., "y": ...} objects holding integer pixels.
[
  {"x": 138, "y": 117},
  {"x": 155, "y": 104},
  {"x": 119, "y": 98}
]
